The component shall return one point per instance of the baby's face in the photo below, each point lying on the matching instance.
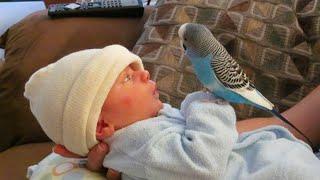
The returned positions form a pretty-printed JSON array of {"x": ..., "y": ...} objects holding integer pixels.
[{"x": 132, "y": 98}]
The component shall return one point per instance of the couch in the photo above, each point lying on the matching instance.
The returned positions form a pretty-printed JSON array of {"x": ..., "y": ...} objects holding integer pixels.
[{"x": 277, "y": 42}]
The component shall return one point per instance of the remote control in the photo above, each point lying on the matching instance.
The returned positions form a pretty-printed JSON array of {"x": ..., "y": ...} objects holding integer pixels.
[{"x": 110, "y": 8}]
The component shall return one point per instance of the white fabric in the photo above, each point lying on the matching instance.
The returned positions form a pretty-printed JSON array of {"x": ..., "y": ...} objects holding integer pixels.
[
  {"x": 201, "y": 142},
  {"x": 12, "y": 12},
  {"x": 56, "y": 167},
  {"x": 66, "y": 97}
]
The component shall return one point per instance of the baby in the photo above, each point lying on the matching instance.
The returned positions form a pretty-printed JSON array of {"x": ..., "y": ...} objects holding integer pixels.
[{"x": 106, "y": 95}]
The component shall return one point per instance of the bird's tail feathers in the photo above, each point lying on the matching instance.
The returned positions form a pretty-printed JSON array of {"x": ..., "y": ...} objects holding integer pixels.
[
  {"x": 275, "y": 112},
  {"x": 278, "y": 115},
  {"x": 255, "y": 98}
]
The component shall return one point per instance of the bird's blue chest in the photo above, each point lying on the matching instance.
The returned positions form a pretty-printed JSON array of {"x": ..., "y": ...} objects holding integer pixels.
[{"x": 204, "y": 72}]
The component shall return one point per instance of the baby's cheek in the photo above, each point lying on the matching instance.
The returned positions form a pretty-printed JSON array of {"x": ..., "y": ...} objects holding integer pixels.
[{"x": 127, "y": 101}]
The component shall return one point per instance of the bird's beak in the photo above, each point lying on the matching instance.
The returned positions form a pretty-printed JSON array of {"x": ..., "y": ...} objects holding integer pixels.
[
  {"x": 184, "y": 47},
  {"x": 181, "y": 32}
]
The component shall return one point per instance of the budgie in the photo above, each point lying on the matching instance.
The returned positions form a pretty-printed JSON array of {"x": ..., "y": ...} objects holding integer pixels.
[{"x": 219, "y": 72}]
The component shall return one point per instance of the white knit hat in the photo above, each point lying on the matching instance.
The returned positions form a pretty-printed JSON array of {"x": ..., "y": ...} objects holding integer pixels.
[{"x": 66, "y": 97}]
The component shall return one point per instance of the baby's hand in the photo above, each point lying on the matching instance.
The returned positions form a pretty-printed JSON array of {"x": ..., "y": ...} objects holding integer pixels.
[
  {"x": 95, "y": 160},
  {"x": 113, "y": 175},
  {"x": 96, "y": 156}
]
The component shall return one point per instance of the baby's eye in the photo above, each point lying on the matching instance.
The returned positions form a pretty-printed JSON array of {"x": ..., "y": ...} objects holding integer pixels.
[{"x": 128, "y": 78}]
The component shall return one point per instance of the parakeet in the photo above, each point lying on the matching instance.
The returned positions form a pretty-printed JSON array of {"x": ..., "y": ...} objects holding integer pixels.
[{"x": 219, "y": 72}]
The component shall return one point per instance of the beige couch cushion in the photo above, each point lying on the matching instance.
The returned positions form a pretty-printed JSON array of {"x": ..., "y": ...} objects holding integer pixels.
[
  {"x": 1, "y": 63},
  {"x": 16, "y": 160}
]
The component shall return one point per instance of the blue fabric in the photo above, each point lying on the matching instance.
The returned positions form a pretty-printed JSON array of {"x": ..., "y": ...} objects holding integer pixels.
[{"x": 200, "y": 141}]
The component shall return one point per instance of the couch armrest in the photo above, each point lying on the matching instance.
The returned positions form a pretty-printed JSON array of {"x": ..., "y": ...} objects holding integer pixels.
[{"x": 16, "y": 160}]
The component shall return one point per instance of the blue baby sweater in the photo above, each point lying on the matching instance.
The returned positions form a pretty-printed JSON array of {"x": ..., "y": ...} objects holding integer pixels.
[{"x": 200, "y": 141}]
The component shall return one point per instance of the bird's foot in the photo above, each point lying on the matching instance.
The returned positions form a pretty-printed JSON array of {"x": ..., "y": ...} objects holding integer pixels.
[
  {"x": 206, "y": 90},
  {"x": 218, "y": 101},
  {"x": 221, "y": 101}
]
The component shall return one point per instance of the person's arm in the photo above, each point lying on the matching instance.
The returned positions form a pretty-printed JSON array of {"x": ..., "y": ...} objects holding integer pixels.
[{"x": 305, "y": 115}]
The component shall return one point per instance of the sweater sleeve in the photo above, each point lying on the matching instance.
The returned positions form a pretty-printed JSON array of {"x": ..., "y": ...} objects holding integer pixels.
[{"x": 202, "y": 149}]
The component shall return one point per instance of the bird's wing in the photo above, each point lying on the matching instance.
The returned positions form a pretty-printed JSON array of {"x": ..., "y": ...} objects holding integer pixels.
[{"x": 232, "y": 76}]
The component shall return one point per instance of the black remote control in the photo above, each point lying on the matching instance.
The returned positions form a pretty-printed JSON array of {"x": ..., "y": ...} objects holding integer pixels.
[{"x": 110, "y": 8}]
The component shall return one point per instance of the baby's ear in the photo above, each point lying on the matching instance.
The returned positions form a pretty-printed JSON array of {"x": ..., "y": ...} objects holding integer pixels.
[{"x": 106, "y": 131}]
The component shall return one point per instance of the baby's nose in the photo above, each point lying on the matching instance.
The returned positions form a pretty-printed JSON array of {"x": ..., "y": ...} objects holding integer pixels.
[{"x": 145, "y": 76}]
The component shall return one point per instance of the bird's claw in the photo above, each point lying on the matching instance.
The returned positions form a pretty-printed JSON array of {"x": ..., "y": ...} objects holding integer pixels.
[
  {"x": 221, "y": 101},
  {"x": 206, "y": 90}
]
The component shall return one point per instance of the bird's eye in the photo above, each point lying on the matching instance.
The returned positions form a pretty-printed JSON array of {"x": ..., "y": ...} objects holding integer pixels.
[{"x": 185, "y": 39}]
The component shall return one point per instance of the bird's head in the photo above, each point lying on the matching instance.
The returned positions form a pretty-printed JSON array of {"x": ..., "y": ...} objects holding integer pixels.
[{"x": 196, "y": 38}]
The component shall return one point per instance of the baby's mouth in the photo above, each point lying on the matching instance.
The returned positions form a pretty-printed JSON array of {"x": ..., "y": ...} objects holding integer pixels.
[{"x": 156, "y": 92}]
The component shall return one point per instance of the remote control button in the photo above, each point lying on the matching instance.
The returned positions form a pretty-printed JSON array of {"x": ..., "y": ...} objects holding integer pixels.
[
  {"x": 96, "y": 4},
  {"x": 72, "y": 6},
  {"x": 131, "y": 2}
]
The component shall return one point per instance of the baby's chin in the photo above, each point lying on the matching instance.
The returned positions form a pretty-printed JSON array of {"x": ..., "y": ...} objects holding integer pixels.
[{"x": 160, "y": 106}]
